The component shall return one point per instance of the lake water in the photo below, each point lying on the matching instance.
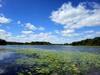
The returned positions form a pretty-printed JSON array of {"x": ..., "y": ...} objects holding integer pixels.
[{"x": 8, "y": 55}]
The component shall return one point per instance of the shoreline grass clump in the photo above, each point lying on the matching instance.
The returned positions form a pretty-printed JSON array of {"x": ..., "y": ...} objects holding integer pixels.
[{"x": 39, "y": 62}]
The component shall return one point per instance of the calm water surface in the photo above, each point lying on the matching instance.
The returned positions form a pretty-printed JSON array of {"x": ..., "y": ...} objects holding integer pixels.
[
  {"x": 52, "y": 47},
  {"x": 8, "y": 55}
]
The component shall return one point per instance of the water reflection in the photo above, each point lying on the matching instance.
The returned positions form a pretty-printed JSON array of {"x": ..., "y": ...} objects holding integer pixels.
[
  {"x": 8, "y": 55},
  {"x": 93, "y": 49},
  {"x": 5, "y": 54}
]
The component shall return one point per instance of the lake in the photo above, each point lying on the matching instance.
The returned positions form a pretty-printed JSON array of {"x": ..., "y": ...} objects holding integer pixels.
[{"x": 8, "y": 54}]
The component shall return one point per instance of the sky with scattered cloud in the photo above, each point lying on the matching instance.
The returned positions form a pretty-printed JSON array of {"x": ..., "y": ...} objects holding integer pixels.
[{"x": 55, "y": 21}]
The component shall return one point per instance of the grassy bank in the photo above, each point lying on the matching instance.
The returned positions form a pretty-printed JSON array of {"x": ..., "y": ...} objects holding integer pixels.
[{"x": 45, "y": 62}]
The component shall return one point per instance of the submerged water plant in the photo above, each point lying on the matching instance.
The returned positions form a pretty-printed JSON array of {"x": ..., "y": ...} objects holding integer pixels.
[{"x": 58, "y": 63}]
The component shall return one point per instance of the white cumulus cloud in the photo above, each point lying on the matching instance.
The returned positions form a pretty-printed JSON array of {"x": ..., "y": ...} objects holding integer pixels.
[
  {"x": 4, "y": 34},
  {"x": 30, "y": 26},
  {"x": 77, "y": 17},
  {"x": 69, "y": 32},
  {"x": 26, "y": 32},
  {"x": 4, "y": 20}
]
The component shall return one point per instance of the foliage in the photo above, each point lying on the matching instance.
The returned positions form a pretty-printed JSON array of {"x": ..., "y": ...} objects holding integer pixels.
[
  {"x": 88, "y": 42},
  {"x": 3, "y": 42},
  {"x": 58, "y": 63}
]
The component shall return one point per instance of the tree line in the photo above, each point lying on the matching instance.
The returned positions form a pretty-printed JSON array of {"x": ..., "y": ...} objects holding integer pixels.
[
  {"x": 4, "y": 42},
  {"x": 87, "y": 42}
]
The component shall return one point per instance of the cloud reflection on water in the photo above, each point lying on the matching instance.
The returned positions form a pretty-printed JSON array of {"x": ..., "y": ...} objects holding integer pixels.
[{"x": 5, "y": 54}]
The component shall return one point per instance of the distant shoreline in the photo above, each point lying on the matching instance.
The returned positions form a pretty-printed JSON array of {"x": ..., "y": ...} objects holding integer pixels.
[{"x": 87, "y": 42}]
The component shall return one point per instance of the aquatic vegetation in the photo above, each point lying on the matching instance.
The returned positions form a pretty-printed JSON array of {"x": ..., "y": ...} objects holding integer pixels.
[{"x": 58, "y": 63}]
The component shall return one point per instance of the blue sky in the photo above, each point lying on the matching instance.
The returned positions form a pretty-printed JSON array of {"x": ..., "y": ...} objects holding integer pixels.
[{"x": 56, "y": 21}]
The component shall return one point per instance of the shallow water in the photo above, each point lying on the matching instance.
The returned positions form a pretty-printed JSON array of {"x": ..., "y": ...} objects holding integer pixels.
[
  {"x": 8, "y": 55},
  {"x": 8, "y": 51}
]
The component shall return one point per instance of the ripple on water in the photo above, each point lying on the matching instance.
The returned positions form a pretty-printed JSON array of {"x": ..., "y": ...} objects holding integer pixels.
[{"x": 4, "y": 55}]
